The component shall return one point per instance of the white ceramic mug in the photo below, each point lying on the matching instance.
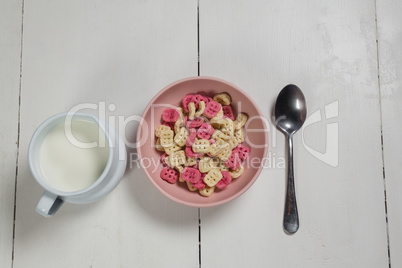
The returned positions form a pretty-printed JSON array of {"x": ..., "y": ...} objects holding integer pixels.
[{"x": 46, "y": 161}]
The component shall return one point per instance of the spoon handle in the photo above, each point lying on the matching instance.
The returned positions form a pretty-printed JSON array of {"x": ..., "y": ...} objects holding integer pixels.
[{"x": 290, "y": 217}]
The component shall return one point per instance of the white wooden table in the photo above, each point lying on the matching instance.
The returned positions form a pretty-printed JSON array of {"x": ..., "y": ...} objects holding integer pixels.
[{"x": 345, "y": 55}]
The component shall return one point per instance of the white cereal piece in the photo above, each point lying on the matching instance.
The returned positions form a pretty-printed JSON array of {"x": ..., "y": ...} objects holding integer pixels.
[
  {"x": 241, "y": 119},
  {"x": 191, "y": 110},
  {"x": 190, "y": 162},
  {"x": 158, "y": 145},
  {"x": 213, "y": 177},
  {"x": 225, "y": 153},
  {"x": 177, "y": 158},
  {"x": 206, "y": 164},
  {"x": 178, "y": 125},
  {"x": 236, "y": 173},
  {"x": 181, "y": 137},
  {"x": 218, "y": 146},
  {"x": 223, "y": 98},
  {"x": 220, "y": 113},
  {"x": 166, "y": 137},
  {"x": 228, "y": 127},
  {"x": 174, "y": 148},
  {"x": 159, "y": 129},
  {"x": 190, "y": 186},
  {"x": 207, "y": 191},
  {"x": 201, "y": 146},
  {"x": 239, "y": 135},
  {"x": 233, "y": 142},
  {"x": 201, "y": 109}
]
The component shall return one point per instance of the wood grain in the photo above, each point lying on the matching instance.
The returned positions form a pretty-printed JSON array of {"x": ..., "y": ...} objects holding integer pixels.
[
  {"x": 329, "y": 50},
  {"x": 118, "y": 53},
  {"x": 10, "y": 50},
  {"x": 390, "y": 66}
]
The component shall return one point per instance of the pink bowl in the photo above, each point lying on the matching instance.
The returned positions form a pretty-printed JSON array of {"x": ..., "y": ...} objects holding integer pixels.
[{"x": 256, "y": 139}]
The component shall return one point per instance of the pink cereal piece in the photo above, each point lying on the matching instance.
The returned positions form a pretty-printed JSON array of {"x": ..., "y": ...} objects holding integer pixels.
[
  {"x": 207, "y": 100},
  {"x": 200, "y": 184},
  {"x": 163, "y": 159},
  {"x": 234, "y": 161},
  {"x": 170, "y": 175},
  {"x": 170, "y": 115},
  {"x": 190, "y": 153},
  {"x": 212, "y": 109},
  {"x": 244, "y": 151},
  {"x": 192, "y": 175},
  {"x": 196, "y": 99},
  {"x": 205, "y": 131},
  {"x": 211, "y": 141},
  {"x": 169, "y": 124},
  {"x": 197, "y": 122},
  {"x": 228, "y": 112},
  {"x": 225, "y": 181},
  {"x": 186, "y": 100},
  {"x": 191, "y": 137}
]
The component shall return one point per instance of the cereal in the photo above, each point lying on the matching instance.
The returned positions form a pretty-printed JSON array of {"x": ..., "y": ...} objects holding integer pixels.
[
  {"x": 202, "y": 143},
  {"x": 158, "y": 146},
  {"x": 201, "y": 109},
  {"x": 163, "y": 157},
  {"x": 240, "y": 120},
  {"x": 218, "y": 147},
  {"x": 244, "y": 151},
  {"x": 228, "y": 112},
  {"x": 201, "y": 146},
  {"x": 181, "y": 137},
  {"x": 191, "y": 110},
  {"x": 236, "y": 173},
  {"x": 178, "y": 125},
  {"x": 191, "y": 174},
  {"x": 239, "y": 135},
  {"x": 174, "y": 148},
  {"x": 205, "y": 131},
  {"x": 166, "y": 137},
  {"x": 213, "y": 177},
  {"x": 177, "y": 158},
  {"x": 223, "y": 98},
  {"x": 159, "y": 129},
  {"x": 225, "y": 181},
  {"x": 207, "y": 191},
  {"x": 169, "y": 175},
  {"x": 170, "y": 115},
  {"x": 186, "y": 100},
  {"x": 190, "y": 153},
  {"x": 191, "y": 137},
  {"x": 206, "y": 164},
  {"x": 197, "y": 122},
  {"x": 211, "y": 109},
  {"x": 190, "y": 162},
  {"x": 191, "y": 187},
  {"x": 217, "y": 122},
  {"x": 234, "y": 160},
  {"x": 219, "y": 114}
]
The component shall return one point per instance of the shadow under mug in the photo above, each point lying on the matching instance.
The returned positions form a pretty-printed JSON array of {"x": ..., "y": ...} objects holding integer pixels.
[{"x": 53, "y": 198}]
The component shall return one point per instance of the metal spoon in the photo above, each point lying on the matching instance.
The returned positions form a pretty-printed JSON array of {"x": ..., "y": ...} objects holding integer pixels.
[{"x": 290, "y": 114}]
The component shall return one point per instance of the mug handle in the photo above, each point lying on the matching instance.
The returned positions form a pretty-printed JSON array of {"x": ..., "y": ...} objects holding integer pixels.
[{"x": 48, "y": 204}]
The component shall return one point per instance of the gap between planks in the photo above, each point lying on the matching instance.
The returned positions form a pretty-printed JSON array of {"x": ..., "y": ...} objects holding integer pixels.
[{"x": 381, "y": 129}]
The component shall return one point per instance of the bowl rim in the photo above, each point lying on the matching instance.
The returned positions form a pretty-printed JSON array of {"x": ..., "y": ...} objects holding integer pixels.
[{"x": 194, "y": 204}]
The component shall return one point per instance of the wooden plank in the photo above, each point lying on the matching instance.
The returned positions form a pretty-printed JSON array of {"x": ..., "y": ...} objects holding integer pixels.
[
  {"x": 390, "y": 66},
  {"x": 10, "y": 50},
  {"x": 328, "y": 49},
  {"x": 103, "y": 52}
]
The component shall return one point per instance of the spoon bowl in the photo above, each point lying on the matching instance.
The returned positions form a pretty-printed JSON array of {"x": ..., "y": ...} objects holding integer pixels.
[
  {"x": 290, "y": 114},
  {"x": 290, "y": 109}
]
